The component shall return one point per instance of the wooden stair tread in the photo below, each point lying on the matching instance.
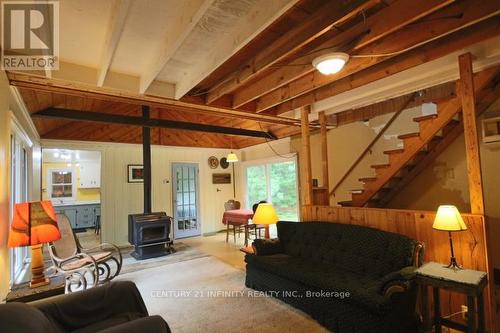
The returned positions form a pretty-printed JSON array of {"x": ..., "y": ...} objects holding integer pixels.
[
  {"x": 427, "y": 117},
  {"x": 367, "y": 179},
  {"x": 345, "y": 203},
  {"x": 380, "y": 166},
  {"x": 409, "y": 135},
  {"x": 394, "y": 151}
]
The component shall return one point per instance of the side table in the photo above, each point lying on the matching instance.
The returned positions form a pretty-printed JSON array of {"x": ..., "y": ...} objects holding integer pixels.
[
  {"x": 465, "y": 281},
  {"x": 23, "y": 293}
]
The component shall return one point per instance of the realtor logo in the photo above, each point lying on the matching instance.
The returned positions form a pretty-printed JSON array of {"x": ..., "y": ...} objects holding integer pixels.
[{"x": 30, "y": 35}]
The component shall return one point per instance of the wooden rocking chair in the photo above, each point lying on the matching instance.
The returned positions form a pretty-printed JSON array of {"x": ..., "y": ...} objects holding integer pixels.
[{"x": 78, "y": 264}]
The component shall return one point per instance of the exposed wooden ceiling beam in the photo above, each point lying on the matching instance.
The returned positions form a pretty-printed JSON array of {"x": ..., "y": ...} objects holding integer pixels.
[
  {"x": 193, "y": 11},
  {"x": 322, "y": 21},
  {"x": 263, "y": 13},
  {"x": 376, "y": 26},
  {"x": 463, "y": 14},
  {"x": 432, "y": 51},
  {"x": 144, "y": 122},
  {"x": 117, "y": 22},
  {"x": 100, "y": 93}
]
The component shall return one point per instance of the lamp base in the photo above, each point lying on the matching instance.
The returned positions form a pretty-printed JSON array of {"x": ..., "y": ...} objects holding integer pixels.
[
  {"x": 38, "y": 278},
  {"x": 453, "y": 264}
]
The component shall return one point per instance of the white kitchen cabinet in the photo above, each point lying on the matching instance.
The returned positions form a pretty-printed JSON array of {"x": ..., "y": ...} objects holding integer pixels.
[{"x": 90, "y": 175}]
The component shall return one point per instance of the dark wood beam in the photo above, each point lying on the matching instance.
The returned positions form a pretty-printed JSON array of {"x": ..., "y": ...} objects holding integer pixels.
[{"x": 145, "y": 122}]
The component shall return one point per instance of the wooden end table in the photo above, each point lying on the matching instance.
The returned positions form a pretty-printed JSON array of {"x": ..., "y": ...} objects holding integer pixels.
[
  {"x": 23, "y": 293},
  {"x": 465, "y": 281}
]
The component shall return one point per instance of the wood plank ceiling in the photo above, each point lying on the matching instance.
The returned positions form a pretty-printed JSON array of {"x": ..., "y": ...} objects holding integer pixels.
[{"x": 272, "y": 74}]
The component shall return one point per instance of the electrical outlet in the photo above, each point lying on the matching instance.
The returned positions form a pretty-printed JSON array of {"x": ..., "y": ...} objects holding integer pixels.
[{"x": 465, "y": 312}]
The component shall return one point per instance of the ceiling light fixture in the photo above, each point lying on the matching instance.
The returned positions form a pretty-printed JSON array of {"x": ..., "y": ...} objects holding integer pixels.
[{"x": 330, "y": 63}]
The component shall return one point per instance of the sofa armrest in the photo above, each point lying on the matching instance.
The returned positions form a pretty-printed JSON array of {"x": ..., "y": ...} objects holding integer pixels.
[
  {"x": 265, "y": 247},
  {"x": 153, "y": 324},
  {"x": 398, "y": 281},
  {"x": 80, "y": 309}
]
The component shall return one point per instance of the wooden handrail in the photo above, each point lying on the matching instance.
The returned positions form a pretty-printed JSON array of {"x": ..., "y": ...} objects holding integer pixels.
[{"x": 389, "y": 123}]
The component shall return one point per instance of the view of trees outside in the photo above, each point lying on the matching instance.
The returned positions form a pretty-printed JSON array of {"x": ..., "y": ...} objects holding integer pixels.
[
  {"x": 256, "y": 184},
  {"x": 283, "y": 179},
  {"x": 283, "y": 187}
]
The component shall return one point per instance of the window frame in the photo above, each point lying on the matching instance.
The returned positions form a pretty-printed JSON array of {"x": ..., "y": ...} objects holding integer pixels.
[
  {"x": 50, "y": 185},
  {"x": 21, "y": 157},
  {"x": 266, "y": 163}
]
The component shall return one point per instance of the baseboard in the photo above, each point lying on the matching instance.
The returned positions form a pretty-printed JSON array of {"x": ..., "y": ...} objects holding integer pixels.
[{"x": 213, "y": 233}]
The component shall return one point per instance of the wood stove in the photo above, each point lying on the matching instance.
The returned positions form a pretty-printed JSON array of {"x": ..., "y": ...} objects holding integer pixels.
[{"x": 148, "y": 232}]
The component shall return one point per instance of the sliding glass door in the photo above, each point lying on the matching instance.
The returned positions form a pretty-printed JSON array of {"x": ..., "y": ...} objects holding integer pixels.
[{"x": 275, "y": 182}]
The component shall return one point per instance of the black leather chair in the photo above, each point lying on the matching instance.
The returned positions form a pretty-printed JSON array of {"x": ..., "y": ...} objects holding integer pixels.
[{"x": 114, "y": 307}]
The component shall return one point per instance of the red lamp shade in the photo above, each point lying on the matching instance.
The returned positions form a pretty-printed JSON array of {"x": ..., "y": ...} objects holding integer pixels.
[{"x": 33, "y": 223}]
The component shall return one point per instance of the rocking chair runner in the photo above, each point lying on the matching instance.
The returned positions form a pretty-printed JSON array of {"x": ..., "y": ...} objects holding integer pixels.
[{"x": 77, "y": 263}]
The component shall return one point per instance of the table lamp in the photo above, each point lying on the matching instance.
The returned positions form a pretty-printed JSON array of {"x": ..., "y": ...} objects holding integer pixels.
[
  {"x": 448, "y": 219},
  {"x": 33, "y": 224},
  {"x": 266, "y": 215}
]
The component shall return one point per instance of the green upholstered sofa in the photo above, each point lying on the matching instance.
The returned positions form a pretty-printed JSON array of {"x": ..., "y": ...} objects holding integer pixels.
[{"x": 349, "y": 278}]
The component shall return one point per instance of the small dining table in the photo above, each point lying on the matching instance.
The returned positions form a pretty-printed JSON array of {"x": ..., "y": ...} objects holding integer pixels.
[{"x": 237, "y": 218}]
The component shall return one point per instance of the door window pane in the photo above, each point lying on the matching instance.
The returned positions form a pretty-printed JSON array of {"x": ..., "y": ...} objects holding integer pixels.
[
  {"x": 256, "y": 184},
  {"x": 283, "y": 183}
]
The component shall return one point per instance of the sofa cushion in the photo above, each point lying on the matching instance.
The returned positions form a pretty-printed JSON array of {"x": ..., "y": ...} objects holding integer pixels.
[
  {"x": 357, "y": 249},
  {"x": 363, "y": 290}
]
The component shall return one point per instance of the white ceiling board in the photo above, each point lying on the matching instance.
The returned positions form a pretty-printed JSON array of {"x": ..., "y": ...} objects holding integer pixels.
[
  {"x": 148, "y": 24},
  {"x": 82, "y": 25}
]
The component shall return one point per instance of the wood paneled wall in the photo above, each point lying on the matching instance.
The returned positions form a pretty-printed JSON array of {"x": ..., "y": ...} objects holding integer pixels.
[{"x": 469, "y": 245}]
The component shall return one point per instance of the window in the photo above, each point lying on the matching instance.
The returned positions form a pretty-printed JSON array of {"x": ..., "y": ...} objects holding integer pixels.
[
  {"x": 61, "y": 184},
  {"x": 19, "y": 193},
  {"x": 275, "y": 182}
]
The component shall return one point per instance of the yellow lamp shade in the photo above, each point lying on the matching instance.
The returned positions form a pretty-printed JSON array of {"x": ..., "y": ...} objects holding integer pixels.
[
  {"x": 231, "y": 157},
  {"x": 265, "y": 214},
  {"x": 448, "y": 218}
]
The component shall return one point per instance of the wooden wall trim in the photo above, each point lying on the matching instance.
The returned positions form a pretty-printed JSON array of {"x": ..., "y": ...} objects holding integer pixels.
[{"x": 470, "y": 245}]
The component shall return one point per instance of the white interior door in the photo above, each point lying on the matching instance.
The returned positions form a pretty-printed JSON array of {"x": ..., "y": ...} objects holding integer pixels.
[{"x": 185, "y": 200}]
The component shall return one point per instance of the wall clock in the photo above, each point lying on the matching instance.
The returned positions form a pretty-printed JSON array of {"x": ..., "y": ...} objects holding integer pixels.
[
  {"x": 224, "y": 163},
  {"x": 213, "y": 162}
]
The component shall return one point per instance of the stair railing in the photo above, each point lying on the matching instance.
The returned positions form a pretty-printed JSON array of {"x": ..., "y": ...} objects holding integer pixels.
[{"x": 372, "y": 143}]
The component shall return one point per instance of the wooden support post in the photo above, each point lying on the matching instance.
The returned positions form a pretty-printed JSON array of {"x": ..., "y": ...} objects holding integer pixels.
[
  {"x": 305, "y": 158},
  {"x": 465, "y": 89},
  {"x": 324, "y": 149},
  {"x": 146, "y": 160},
  {"x": 467, "y": 96}
]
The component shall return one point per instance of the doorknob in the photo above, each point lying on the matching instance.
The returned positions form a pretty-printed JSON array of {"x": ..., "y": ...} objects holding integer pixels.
[{"x": 218, "y": 189}]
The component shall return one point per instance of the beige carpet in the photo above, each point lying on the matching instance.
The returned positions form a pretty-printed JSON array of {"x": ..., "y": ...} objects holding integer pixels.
[{"x": 188, "y": 296}]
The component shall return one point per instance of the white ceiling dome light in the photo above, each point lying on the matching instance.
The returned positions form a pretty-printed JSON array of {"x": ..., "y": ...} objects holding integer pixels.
[{"x": 330, "y": 63}]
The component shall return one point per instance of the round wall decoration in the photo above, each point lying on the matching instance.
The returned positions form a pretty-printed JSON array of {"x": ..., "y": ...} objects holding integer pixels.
[
  {"x": 213, "y": 162},
  {"x": 224, "y": 163}
]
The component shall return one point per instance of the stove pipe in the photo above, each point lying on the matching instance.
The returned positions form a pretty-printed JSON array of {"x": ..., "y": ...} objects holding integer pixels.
[{"x": 146, "y": 160}]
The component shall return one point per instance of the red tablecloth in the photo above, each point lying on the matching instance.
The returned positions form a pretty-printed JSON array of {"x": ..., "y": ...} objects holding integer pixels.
[{"x": 237, "y": 216}]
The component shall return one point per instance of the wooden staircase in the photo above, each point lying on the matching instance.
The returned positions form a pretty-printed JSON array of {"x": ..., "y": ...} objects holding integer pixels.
[{"x": 420, "y": 148}]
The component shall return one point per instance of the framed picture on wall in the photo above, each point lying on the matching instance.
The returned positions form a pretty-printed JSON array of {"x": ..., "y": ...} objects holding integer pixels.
[{"x": 135, "y": 173}]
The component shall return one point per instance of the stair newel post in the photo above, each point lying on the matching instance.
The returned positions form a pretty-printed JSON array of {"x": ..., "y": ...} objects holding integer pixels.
[
  {"x": 305, "y": 158},
  {"x": 466, "y": 93}
]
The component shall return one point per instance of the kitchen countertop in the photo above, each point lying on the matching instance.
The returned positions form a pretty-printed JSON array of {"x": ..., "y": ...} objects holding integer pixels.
[{"x": 76, "y": 203}]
